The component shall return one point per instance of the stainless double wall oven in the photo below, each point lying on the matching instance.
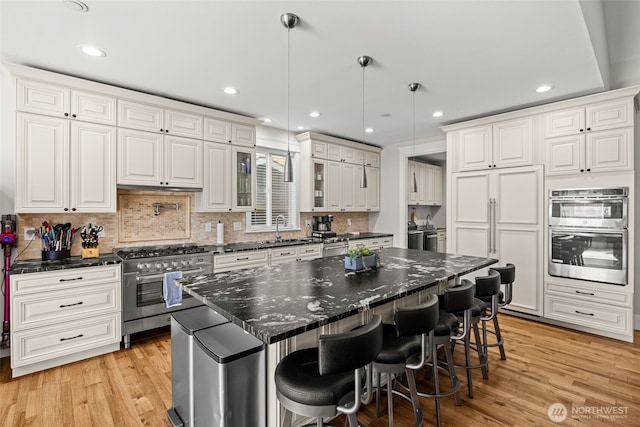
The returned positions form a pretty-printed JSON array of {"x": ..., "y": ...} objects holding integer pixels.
[{"x": 588, "y": 236}]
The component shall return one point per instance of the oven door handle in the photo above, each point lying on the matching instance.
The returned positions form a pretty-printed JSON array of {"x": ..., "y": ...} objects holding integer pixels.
[
  {"x": 587, "y": 232},
  {"x": 153, "y": 277}
]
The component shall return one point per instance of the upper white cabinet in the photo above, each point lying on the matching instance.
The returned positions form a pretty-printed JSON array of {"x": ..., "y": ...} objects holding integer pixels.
[
  {"x": 502, "y": 144},
  {"x": 594, "y": 138},
  {"x": 217, "y": 130},
  {"x": 216, "y": 188},
  {"x": 330, "y": 175},
  {"x": 134, "y": 115},
  {"x": 64, "y": 166},
  {"x": 58, "y": 101},
  {"x": 243, "y": 135},
  {"x": 428, "y": 179},
  {"x": 149, "y": 159}
]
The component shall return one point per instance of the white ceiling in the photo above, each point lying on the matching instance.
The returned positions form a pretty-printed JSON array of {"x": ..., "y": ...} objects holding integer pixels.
[{"x": 473, "y": 58}]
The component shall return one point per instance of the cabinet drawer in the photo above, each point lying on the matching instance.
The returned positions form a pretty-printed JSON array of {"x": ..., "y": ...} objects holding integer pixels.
[
  {"x": 590, "y": 294},
  {"x": 593, "y": 315},
  {"x": 310, "y": 251},
  {"x": 47, "y": 308},
  {"x": 63, "y": 279},
  {"x": 42, "y": 344},
  {"x": 246, "y": 259}
]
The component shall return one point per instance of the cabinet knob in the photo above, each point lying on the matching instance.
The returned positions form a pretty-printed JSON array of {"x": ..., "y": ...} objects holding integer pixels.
[
  {"x": 161, "y": 182},
  {"x": 581, "y": 170},
  {"x": 588, "y": 128},
  {"x": 166, "y": 183},
  {"x": 73, "y": 209},
  {"x": 581, "y": 130},
  {"x": 166, "y": 130},
  {"x": 66, "y": 209},
  {"x": 494, "y": 166},
  {"x": 489, "y": 165},
  {"x": 588, "y": 170},
  {"x": 161, "y": 130},
  {"x": 74, "y": 116},
  {"x": 66, "y": 114}
]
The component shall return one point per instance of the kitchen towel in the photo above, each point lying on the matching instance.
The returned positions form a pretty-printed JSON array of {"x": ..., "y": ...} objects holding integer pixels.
[
  {"x": 220, "y": 233},
  {"x": 170, "y": 291}
]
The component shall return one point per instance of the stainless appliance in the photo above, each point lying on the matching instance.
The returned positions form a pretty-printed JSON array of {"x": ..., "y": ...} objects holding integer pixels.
[
  {"x": 588, "y": 237},
  {"x": 143, "y": 268},
  {"x": 322, "y": 226},
  {"x": 415, "y": 239},
  {"x": 431, "y": 240},
  {"x": 334, "y": 247}
]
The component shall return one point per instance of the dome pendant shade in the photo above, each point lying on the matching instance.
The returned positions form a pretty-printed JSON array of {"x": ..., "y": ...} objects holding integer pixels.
[
  {"x": 363, "y": 178},
  {"x": 289, "y": 21}
]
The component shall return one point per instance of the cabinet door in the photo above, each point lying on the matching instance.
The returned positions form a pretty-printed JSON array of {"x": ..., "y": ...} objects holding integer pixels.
[
  {"x": 349, "y": 184},
  {"x": 334, "y": 152},
  {"x": 216, "y": 188},
  {"x": 360, "y": 194},
  {"x": 437, "y": 185},
  {"x": 564, "y": 122},
  {"x": 358, "y": 157},
  {"x": 412, "y": 196},
  {"x": 564, "y": 155},
  {"x": 423, "y": 189},
  {"x": 319, "y": 149},
  {"x": 182, "y": 162},
  {"x": 513, "y": 143},
  {"x": 93, "y": 107},
  {"x": 42, "y": 182},
  {"x": 474, "y": 148},
  {"x": 334, "y": 186},
  {"x": 217, "y": 130},
  {"x": 183, "y": 124},
  {"x": 609, "y": 150},
  {"x": 140, "y": 158},
  {"x": 470, "y": 213},
  {"x": 243, "y": 135},
  {"x": 350, "y": 155},
  {"x": 42, "y": 98},
  {"x": 372, "y": 159},
  {"x": 609, "y": 115},
  {"x": 244, "y": 181},
  {"x": 373, "y": 189},
  {"x": 319, "y": 189},
  {"x": 93, "y": 168},
  {"x": 140, "y": 116},
  {"x": 428, "y": 184}
]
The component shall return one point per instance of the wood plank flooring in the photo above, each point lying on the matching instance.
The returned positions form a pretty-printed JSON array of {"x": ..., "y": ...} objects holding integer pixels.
[{"x": 545, "y": 364}]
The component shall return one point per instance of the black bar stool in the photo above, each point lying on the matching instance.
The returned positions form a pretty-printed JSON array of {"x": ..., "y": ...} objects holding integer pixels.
[
  {"x": 507, "y": 277},
  {"x": 321, "y": 381},
  {"x": 406, "y": 347}
]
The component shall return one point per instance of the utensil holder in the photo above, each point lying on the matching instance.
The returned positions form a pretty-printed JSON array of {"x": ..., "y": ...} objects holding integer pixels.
[{"x": 55, "y": 255}]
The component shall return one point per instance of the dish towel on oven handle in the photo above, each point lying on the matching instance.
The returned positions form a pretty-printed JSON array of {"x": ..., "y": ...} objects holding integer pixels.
[{"x": 171, "y": 292}]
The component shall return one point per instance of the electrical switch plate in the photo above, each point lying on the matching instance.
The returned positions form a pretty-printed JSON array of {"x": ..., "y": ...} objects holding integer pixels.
[
  {"x": 101, "y": 233},
  {"x": 307, "y": 223},
  {"x": 29, "y": 233},
  {"x": 348, "y": 221},
  {"x": 237, "y": 226},
  {"x": 207, "y": 227}
]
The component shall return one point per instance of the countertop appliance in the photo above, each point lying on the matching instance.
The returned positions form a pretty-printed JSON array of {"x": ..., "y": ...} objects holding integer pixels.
[
  {"x": 143, "y": 268},
  {"x": 322, "y": 226},
  {"x": 588, "y": 237}
]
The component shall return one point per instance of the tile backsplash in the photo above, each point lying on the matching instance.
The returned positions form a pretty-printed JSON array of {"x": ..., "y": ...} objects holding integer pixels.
[{"x": 136, "y": 225}]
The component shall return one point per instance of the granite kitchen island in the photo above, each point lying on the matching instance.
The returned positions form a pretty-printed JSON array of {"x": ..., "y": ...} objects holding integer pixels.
[{"x": 288, "y": 306}]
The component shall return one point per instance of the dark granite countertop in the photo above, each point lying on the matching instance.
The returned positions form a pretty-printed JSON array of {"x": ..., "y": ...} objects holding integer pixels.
[
  {"x": 36, "y": 265},
  {"x": 255, "y": 246},
  {"x": 366, "y": 235},
  {"x": 277, "y": 302}
]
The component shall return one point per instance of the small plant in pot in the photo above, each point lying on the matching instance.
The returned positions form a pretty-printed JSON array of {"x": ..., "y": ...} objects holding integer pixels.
[{"x": 360, "y": 258}]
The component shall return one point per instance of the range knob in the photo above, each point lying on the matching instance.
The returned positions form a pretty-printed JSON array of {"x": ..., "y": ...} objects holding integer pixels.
[
  {"x": 174, "y": 263},
  {"x": 158, "y": 265},
  {"x": 191, "y": 262},
  {"x": 184, "y": 262},
  {"x": 140, "y": 266},
  {"x": 165, "y": 264},
  {"x": 148, "y": 265}
]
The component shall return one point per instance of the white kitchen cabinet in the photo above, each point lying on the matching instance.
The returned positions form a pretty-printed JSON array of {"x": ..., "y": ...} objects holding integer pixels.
[
  {"x": 373, "y": 243},
  {"x": 429, "y": 181},
  {"x": 499, "y": 214},
  {"x": 503, "y": 144},
  {"x": 243, "y": 180},
  {"x": 591, "y": 118},
  {"x": 63, "y": 316},
  {"x": 319, "y": 149},
  {"x": 217, "y": 130},
  {"x": 372, "y": 159},
  {"x": 243, "y": 135},
  {"x": 442, "y": 241},
  {"x": 282, "y": 255},
  {"x": 373, "y": 189},
  {"x": 64, "y": 166},
  {"x": 59, "y": 101},
  {"x": 216, "y": 187},
  {"x": 154, "y": 160},
  {"x": 240, "y": 260},
  {"x": 341, "y": 183},
  {"x": 180, "y": 123},
  {"x": 152, "y": 118}
]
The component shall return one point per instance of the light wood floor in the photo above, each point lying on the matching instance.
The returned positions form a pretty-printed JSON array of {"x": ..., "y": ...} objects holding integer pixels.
[{"x": 545, "y": 365}]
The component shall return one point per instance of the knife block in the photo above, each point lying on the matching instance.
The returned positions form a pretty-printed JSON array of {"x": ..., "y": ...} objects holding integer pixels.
[{"x": 90, "y": 253}]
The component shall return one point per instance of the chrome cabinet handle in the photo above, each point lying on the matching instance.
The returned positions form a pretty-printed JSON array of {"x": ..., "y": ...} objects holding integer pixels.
[{"x": 495, "y": 226}]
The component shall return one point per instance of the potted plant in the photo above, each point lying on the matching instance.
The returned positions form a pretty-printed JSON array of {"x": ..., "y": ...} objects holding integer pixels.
[{"x": 360, "y": 258}]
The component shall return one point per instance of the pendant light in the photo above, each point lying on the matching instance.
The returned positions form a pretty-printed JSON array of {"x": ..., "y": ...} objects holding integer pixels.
[
  {"x": 289, "y": 21},
  {"x": 413, "y": 87},
  {"x": 363, "y": 61}
]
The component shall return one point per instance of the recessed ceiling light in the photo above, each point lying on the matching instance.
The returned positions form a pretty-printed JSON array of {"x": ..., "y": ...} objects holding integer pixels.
[
  {"x": 300, "y": 127},
  {"x": 544, "y": 88},
  {"x": 93, "y": 51},
  {"x": 266, "y": 120},
  {"x": 369, "y": 130},
  {"x": 438, "y": 114},
  {"x": 230, "y": 90},
  {"x": 314, "y": 114},
  {"x": 76, "y": 5}
]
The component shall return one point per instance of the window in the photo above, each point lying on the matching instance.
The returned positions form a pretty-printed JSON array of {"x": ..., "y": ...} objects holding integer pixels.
[{"x": 273, "y": 196}]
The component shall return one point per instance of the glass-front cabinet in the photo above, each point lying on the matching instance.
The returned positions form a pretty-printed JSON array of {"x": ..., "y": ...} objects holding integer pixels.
[
  {"x": 319, "y": 185},
  {"x": 244, "y": 181}
]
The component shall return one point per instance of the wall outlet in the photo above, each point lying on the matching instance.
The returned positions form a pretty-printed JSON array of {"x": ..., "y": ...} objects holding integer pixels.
[
  {"x": 307, "y": 223},
  {"x": 348, "y": 221},
  {"x": 237, "y": 226},
  {"x": 207, "y": 227},
  {"x": 101, "y": 233},
  {"x": 29, "y": 233}
]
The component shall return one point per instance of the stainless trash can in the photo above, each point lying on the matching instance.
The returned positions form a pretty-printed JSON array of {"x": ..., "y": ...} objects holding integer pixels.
[
  {"x": 184, "y": 324},
  {"x": 229, "y": 378}
]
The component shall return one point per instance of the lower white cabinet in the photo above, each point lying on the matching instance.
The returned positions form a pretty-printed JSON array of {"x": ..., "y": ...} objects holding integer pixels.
[
  {"x": 295, "y": 253},
  {"x": 591, "y": 308},
  {"x": 62, "y": 316},
  {"x": 240, "y": 260},
  {"x": 373, "y": 243},
  {"x": 442, "y": 241}
]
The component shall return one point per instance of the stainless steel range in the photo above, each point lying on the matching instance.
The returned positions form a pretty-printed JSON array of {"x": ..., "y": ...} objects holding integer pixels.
[{"x": 143, "y": 268}]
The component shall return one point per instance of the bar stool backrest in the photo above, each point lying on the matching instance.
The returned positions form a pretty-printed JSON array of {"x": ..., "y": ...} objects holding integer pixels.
[
  {"x": 507, "y": 277},
  {"x": 489, "y": 285},
  {"x": 459, "y": 298},
  {"x": 411, "y": 321},
  {"x": 350, "y": 350}
]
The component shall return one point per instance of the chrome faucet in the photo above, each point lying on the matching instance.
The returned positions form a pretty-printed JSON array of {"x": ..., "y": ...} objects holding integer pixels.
[{"x": 278, "y": 238}]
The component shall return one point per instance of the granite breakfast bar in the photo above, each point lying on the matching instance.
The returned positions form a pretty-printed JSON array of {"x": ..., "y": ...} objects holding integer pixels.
[{"x": 288, "y": 306}]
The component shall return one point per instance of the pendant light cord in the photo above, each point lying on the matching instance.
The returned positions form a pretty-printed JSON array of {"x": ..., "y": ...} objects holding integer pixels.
[
  {"x": 414, "y": 125},
  {"x": 363, "y": 131},
  {"x": 288, "y": 88}
]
